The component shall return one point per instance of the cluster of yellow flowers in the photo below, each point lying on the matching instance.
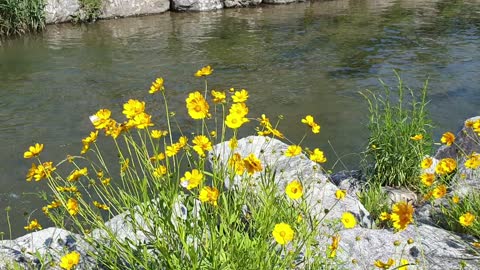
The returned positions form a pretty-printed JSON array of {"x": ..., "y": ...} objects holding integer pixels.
[
  {"x": 401, "y": 216},
  {"x": 444, "y": 167},
  {"x": 251, "y": 164}
]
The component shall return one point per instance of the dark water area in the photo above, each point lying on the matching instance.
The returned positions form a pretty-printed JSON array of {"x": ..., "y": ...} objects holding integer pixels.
[{"x": 298, "y": 59}]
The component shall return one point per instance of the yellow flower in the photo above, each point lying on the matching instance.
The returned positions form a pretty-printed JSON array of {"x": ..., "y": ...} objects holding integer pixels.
[
  {"x": 101, "y": 119},
  {"x": 125, "y": 165},
  {"x": 237, "y": 164},
  {"x": 213, "y": 133},
  {"x": 201, "y": 144},
  {"x": 106, "y": 181},
  {"x": 239, "y": 108},
  {"x": 197, "y": 106},
  {"x": 72, "y": 189},
  {"x": 70, "y": 260},
  {"x": 402, "y": 215},
  {"x": 88, "y": 140},
  {"x": 311, "y": 123},
  {"x": 446, "y": 166},
  {"x": 240, "y": 96},
  {"x": 252, "y": 164},
  {"x": 157, "y": 134},
  {"x": 33, "y": 151},
  {"x": 142, "y": 120},
  {"x": 133, "y": 107},
  {"x": 283, "y": 233},
  {"x": 72, "y": 206},
  {"x": 427, "y": 179},
  {"x": 348, "y": 220},
  {"x": 318, "y": 156},
  {"x": 334, "y": 246},
  {"x": 101, "y": 206},
  {"x": 159, "y": 157},
  {"x": 386, "y": 265},
  {"x": 293, "y": 150},
  {"x": 340, "y": 194},
  {"x": 77, "y": 174},
  {"x": 209, "y": 195},
  {"x": 218, "y": 96},
  {"x": 448, "y": 138},
  {"x": 182, "y": 141},
  {"x": 294, "y": 190},
  {"x": 476, "y": 244},
  {"x": 31, "y": 172},
  {"x": 417, "y": 137},
  {"x": 33, "y": 225},
  {"x": 235, "y": 121},
  {"x": 157, "y": 85},
  {"x": 426, "y": 163},
  {"x": 384, "y": 216},
  {"x": 41, "y": 171},
  {"x": 172, "y": 150},
  {"x": 455, "y": 199},
  {"x": 467, "y": 219},
  {"x": 204, "y": 71},
  {"x": 160, "y": 171},
  {"x": 473, "y": 162},
  {"x": 191, "y": 179}
]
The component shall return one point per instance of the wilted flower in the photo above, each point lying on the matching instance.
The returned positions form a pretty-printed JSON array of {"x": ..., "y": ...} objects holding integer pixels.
[
  {"x": 101, "y": 206},
  {"x": 417, "y": 137},
  {"x": 384, "y": 265},
  {"x": 157, "y": 85},
  {"x": 77, "y": 174},
  {"x": 448, "y": 138},
  {"x": 252, "y": 164},
  {"x": 334, "y": 246},
  {"x": 218, "y": 96}
]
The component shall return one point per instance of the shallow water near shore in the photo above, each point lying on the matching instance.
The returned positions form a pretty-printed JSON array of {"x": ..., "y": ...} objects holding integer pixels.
[{"x": 298, "y": 59}]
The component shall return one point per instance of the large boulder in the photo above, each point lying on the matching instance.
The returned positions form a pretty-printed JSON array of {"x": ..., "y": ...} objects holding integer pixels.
[
  {"x": 123, "y": 8},
  {"x": 50, "y": 244},
  {"x": 196, "y": 5},
  {"x": 57, "y": 11},
  {"x": 432, "y": 248}
]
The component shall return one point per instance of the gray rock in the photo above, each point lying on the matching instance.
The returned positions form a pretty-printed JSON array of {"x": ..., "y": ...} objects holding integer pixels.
[
  {"x": 241, "y": 3},
  {"x": 433, "y": 248},
  {"x": 123, "y": 8},
  {"x": 466, "y": 142},
  {"x": 57, "y": 11},
  {"x": 396, "y": 195},
  {"x": 351, "y": 181},
  {"x": 278, "y": 2},
  {"x": 319, "y": 192},
  {"x": 196, "y": 5},
  {"x": 50, "y": 244}
]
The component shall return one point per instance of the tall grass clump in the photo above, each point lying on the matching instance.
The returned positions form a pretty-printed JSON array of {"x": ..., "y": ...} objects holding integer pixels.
[
  {"x": 399, "y": 134},
  {"x": 176, "y": 206},
  {"x": 21, "y": 16}
]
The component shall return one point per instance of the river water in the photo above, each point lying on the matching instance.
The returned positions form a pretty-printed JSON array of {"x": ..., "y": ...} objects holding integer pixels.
[{"x": 298, "y": 59}]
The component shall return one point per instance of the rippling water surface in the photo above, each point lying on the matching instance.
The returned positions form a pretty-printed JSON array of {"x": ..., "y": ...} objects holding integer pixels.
[{"x": 306, "y": 58}]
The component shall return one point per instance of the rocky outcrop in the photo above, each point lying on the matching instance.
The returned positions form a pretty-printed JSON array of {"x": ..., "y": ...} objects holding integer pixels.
[
  {"x": 124, "y": 8},
  {"x": 196, "y": 5},
  {"x": 57, "y": 11}
]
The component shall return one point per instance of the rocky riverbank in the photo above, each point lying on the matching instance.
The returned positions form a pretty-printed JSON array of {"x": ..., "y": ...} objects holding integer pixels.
[
  {"x": 429, "y": 246},
  {"x": 57, "y": 11}
]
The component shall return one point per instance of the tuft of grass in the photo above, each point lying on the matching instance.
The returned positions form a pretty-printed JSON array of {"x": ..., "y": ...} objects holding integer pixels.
[
  {"x": 90, "y": 11},
  {"x": 395, "y": 117},
  {"x": 21, "y": 16},
  {"x": 453, "y": 211},
  {"x": 374, "y": 199}
]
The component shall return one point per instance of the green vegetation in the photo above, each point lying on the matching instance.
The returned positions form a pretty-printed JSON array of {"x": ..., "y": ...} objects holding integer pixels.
[
  {"x": 21, "y": 16},
  {"x": 375, "y": 200},
  {"x": 461, "y": 214},
  {"x": 399, "y": 135},
  {"x": 90, "y": 10}
]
